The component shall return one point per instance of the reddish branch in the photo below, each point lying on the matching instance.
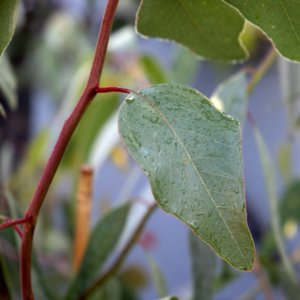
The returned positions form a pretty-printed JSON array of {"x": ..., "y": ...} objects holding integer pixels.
[
  {"x": 112, "y": 89},
  {"x": 59, "y": 149},
  {"x": 14, "y": 222}
]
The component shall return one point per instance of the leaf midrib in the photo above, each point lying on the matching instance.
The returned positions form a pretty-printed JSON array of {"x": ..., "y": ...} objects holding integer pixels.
[{"x": 161, "y": 115}]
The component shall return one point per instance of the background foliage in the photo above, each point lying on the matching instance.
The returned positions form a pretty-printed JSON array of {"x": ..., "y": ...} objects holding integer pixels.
[{"x": 185, "y": 144}]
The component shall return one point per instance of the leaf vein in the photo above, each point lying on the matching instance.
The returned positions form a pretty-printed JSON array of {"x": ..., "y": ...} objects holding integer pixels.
[{"x": 289, "y": 20}]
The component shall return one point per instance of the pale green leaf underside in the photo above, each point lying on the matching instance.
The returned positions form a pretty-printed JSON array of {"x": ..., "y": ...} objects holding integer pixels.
[
  {"x": 209, "y": 28},
  {"x": 279, "y": 19},
  {"x": 192, "y": 155},
  {"x": 8, "y": 11}
]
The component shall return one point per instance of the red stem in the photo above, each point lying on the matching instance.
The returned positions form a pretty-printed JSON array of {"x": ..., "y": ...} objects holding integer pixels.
[
  {"x": 18, "y": 231},
  {"x": 60, "y": 147},
  {"x": 112, "y": 89},
  {"x": 14, "y": 222}
]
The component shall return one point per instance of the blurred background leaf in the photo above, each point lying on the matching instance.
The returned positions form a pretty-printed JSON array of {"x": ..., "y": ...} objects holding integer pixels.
[{"x": 8, "y": 21}]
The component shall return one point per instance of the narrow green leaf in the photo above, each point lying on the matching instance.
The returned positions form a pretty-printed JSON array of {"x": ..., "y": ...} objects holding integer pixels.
[
  {"x": 2, "y": 111},
  {"x": 102, "y": 241},
  {"x": 169, "y": 298},
  {"x": 8, "y": 14},
  {"x": 184, "y": 66},
  {"x": 191, "y": 153},
  {"x": 289, "y": 75},
  {"x": 111, "y": 290},
  {"x": 231, "y": 97},
  {"x": 279, "y": 19},
  {"x": 209, "y": 28},
  {"x": 9, "y": 262},
  {"x": 285, "y": 161},
  {"x": 24, "y": 179},
  {"x": 41, "y": 285},
  {"x": 290, "y": 203},
  {"x": 158, "y": 278},
  {"x": 270, "y": 181},
  {"x": 203, "y": 267},
  {"x": 153, "y": 69},
  {"x": 92, "y": 122},
  {"x": 8, "y": 83}
]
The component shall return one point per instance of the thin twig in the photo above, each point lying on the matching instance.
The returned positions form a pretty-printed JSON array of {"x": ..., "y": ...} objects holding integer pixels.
[
  {"x": 18, "y": 231},
  {"x": 120, "y": 259},
  {"x": 10, "y": 223},
  {"x": 112, "y": 89}
]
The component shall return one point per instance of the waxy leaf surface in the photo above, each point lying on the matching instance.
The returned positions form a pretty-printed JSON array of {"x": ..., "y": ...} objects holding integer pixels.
[
  {"x": 191, "y": 153},
  {"x": 209, "y": 28},
  {"x": 8, "y": 11},
  {"x": 279, "y": 19}
]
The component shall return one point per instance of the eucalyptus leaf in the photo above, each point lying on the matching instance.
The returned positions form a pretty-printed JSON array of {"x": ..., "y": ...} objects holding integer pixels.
[
  {"x": 102, "y": 241},
  {"x": 279, "y": 19},
  {"x": 290, "y": 203},
  {"x": 270, "y": 181},
  {"x": 8, "y": 83},
  {"x": 8, "y": 20},
  {"x": 40, "y": 282},
  {"x": 184, "y": 66},
  {"x": 111, "y": 290},
  {"x": 231, "y": 96},
  {"x": 289, "y": 75},
  {"x": 203, "y": 267},
  {"x": 2, "y": 111},
  {"x": 191, "y": 153},
  {"x": 92, "y": 122},
  {"x": 209, "y": 28},
  {"x": 9, "y": 264},
  {"x": 285, "y": 161},
  {"x": 152, "y": 69},
  {"x": 158, "y": 278}
]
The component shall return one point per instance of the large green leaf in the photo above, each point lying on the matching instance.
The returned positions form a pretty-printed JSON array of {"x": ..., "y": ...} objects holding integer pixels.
[
  {"x": 209, "y": 28},
  {"x": 279, "y": 19},
  {"x": 191, "y": 153},
  {"x": 102, "y": 241},
  {"x": 203, "y": 267},
  {"x": 231, "y": 96},
  {"x": 8, "y": 12}
]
